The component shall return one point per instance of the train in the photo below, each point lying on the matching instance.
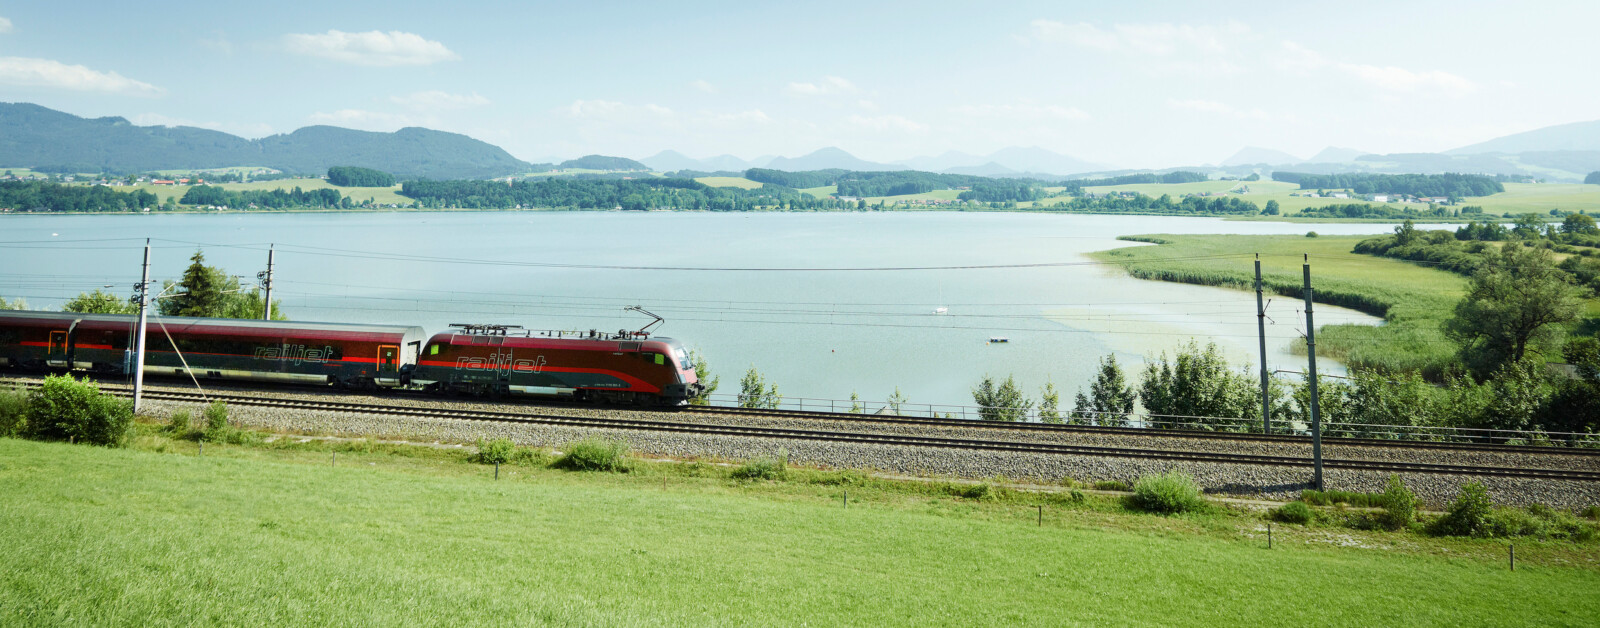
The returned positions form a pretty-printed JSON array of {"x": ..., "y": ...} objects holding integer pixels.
[{"x": 625, "y": 367}]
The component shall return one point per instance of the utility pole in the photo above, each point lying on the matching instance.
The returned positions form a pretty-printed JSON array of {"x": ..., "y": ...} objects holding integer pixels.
[
  {"x": 1261, "y": 332},
  {"x": 141, "y": 292},
  {"x": 266, "y": 284},
  {"x": 1311, "y": 379}
]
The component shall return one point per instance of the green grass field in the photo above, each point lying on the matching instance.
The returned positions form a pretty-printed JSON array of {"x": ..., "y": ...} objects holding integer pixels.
[
  {"x": 380, "y": 195},
  {"x": 730, "y": 182},
  {"x": 1518, "y": 197},
  {"x": 1414, "y": 300},
  {"x": 822, "y": 192},
  {"x": 280, "y": 536}
]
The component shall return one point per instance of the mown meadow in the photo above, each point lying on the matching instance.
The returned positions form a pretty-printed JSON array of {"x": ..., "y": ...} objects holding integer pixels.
[{"x": 307, "y": 532}]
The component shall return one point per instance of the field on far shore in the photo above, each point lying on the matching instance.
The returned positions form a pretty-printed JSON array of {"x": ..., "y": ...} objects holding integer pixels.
[
  {"x": 1414, "y": 300},
  {"x": 386, "y": 196},
  {"x": 272, "y": 535}
]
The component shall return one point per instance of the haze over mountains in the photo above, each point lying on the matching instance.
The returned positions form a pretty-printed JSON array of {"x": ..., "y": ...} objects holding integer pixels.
[
  {"x": 33, "y": 136},
  {"x": 1006, "y": 162}
]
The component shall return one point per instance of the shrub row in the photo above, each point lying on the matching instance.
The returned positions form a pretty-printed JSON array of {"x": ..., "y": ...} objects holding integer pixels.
[{"x": 65, "y": 409}]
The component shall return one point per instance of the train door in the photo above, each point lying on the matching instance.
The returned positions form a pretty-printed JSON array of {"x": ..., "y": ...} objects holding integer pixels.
[
  {"x": 388, "y": 360},
  {"x": 57, "y": 354}
]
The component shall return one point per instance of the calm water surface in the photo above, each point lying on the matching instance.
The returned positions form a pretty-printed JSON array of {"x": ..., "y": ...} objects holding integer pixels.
[{"x": 815, "y": 333}]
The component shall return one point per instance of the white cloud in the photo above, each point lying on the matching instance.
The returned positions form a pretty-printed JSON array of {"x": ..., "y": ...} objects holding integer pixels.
[
  {"x": 756, "y": 116},
  {"x": 611, "y": 109},
  {"x": 1402, "y": 80},
  {"x": 49, "y": 73},
  {"x": 436, "y": 100},
  {"x": 5, "y": 25},
  {"x": 1024, "y": 110},
  {"x": 704, "y": 86},
  {"x": 1293, "y": 57},
  {"x": 888, "y": 123},
  {"x": 828, "y": 85},
  {"x": 250, "y": 130},
  {"x": 373, "y": 48},
  {"x": 1151, "y": 39},
  {"x": 365, "y": 120}
]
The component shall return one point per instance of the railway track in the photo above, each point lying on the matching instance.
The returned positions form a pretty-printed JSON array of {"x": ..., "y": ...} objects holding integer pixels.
[
  {"x": 1023, "y": 428},
  {"x": 868, "y": 438},
  {"x": 1292, "y": 439}
]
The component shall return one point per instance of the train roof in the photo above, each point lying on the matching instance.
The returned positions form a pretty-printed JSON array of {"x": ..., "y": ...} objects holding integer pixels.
[
  {"x": 542, "y": 340},
  {"x": 192, "y": 323}
]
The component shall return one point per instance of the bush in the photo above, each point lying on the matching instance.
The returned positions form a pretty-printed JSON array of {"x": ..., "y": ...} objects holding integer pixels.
[
  {"x": 497, "y": 451},
  {"x": 1468, "y": 515},
  {"x": 67, "y": 409},
  {"x": 1592, "y": 512},
  {"x": 764, "y": 468},
  {"x": 1112, "y": 485},
  {"x": 1399, "y": 504},
  {"x": 13, "y": 412},
  {"x": 982, "y": 491},
  {"x": 593, "y": 454},
  {"x": 1168, "y": 493},
  {"x": 1311, "y": 234},
  {"x": 1348, "y": 498},
  {"x": 178, "y": 425},
  {"x": 1292, "y": 512},
  {"x": 216, "y": 415}
]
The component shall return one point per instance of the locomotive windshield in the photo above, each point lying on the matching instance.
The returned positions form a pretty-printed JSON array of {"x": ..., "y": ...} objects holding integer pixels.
[{"x": 682, "y": 357}]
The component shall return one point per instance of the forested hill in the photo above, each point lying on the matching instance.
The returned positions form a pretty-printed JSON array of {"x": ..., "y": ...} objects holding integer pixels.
[{"x": 34, "y": 136}]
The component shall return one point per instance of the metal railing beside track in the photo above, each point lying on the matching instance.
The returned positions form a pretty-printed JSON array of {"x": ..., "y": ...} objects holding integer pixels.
[{"x": 1135, "y": 420}]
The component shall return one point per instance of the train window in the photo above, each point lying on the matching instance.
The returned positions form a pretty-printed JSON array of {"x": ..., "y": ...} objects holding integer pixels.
[
  {"x": 660, "y": 359},
  {"x": 433, "y": 349}
]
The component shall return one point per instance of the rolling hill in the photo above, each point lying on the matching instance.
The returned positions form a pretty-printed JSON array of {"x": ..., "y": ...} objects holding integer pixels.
[
  {"x": 1576, "y": 136},
  {"x": 33, "y": 136}
]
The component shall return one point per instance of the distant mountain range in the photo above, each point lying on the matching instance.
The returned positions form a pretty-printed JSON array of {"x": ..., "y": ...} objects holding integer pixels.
[
  {"x": 34, "y": 136},
  {"x": 1561, "y": 153},
  {"x": 1032, "y": 162}
]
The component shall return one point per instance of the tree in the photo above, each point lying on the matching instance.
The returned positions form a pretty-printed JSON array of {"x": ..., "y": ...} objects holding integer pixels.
[
  {"x": 18, "y": 304},
  {"x": 1579, "y": 224},
  {"x": 1003, "y": 402},
  {"x": 895, "y": 401},
  {"x": 210, "y": 291},
  {"x": 1197, "y": 388},
  {"x": 1405, "y": 234},
  {"x": 1049, "y": 404},
  {"x": 1272, "y": 208},
  {"x": 708, "y": 381},
  {"x": 855, "y": 403},
  {"x": 1528, "y": 226},
  {"x": 1515, "y": 303},
  {"x": 1594, "y": 177},
  {"x": 98, "y": 302},
  {"x": 202, "y": 291},
  {"x": 351, "y": 176},
  {"x": 754, "y": 392},
  {"x": 1110, "y": 399}
]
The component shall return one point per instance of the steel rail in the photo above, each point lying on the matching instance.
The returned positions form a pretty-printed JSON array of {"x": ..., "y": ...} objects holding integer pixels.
[{"x": 877, "y": 439}]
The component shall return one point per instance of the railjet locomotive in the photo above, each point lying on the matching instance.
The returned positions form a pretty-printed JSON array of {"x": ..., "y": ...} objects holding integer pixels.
[{"x": 626, "y": 367}]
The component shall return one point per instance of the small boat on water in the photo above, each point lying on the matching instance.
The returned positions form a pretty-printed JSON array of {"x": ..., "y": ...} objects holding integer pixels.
[
  {"x": 941, "y": 310},
  {"x": 998, "y": 339}
]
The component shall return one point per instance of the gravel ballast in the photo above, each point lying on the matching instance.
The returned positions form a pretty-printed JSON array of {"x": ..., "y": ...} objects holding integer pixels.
[{"x": 1255, "y": 481}]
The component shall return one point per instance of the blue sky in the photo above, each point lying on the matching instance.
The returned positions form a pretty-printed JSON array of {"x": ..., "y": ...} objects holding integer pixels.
[{"x": 1145, "y": 84}]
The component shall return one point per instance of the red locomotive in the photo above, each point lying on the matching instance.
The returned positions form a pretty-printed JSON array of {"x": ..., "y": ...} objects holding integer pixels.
[{"x": 489, "y": 360}]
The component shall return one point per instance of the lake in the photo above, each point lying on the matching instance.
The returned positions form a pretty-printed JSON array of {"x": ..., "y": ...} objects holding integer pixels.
[{"x": 822, "y": 304}]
